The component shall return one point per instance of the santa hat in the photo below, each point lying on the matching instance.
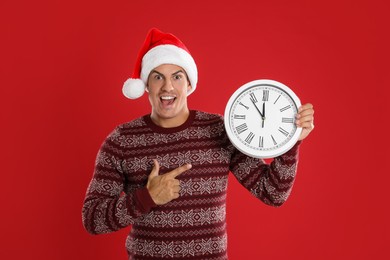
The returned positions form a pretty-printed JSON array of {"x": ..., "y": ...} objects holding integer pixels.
[{"x": 159, "y": 48}]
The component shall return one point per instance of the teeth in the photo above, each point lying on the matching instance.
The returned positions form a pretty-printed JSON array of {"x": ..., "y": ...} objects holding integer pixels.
[{"x": 167, "y": 98}]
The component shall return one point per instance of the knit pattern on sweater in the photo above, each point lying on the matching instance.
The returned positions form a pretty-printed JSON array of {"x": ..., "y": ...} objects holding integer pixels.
[{"x": 194, "y": 225}]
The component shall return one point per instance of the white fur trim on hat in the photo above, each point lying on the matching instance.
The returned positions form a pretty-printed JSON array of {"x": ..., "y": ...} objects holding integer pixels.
[
  {"x": 169, "y": 54},
  {"x": 133, "y": 88}
]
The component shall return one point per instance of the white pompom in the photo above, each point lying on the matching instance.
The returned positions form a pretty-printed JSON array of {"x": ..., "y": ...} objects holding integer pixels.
[{"x": 133, "y": 88}]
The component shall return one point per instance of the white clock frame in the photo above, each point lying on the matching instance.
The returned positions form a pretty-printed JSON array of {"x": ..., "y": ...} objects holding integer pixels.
[{"x": 239, "y": 142}]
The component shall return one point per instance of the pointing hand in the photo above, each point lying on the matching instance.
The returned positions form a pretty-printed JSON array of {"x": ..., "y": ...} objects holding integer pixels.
[{"x": 164, "y": 188}]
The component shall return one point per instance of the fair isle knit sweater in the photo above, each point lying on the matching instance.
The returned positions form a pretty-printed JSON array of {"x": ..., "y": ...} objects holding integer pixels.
[{"x": 194, "y": 225}]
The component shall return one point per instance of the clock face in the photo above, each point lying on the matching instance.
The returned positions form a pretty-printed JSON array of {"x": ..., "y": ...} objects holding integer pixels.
[{"x": 260, "y": 118}]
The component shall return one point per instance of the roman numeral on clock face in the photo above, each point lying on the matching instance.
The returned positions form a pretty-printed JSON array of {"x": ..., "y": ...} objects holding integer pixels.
[
  {"x": 285, "y": 108},
  {"x": 265, "y": 94},
  {"x": 283, "y": 131},
  {"x": 239, "y": 116},
  {"x": 243, "y": 105},
  {"x": 253, "y": 97},
  {"x": 241, "y": 128},
  {"x": 287, "y": 120},
  {"x": 249, "y": 138},
  {"x": 261, "y": 142},
  {"x": 273, "y": 140}
]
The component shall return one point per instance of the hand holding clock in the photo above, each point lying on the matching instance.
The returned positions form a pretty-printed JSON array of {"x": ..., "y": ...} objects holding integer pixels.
[{"x": 305, "y": 119}]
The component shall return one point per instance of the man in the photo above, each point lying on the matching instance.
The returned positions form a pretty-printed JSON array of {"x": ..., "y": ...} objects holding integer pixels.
[{"x": 166, "y": 173}]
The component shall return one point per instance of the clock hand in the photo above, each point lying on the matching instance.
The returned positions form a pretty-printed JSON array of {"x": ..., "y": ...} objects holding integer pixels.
[
  {"x": 257, "y": 109},
  {"x": 264, "y": 110},
  {"x": 263, "y": 117}
]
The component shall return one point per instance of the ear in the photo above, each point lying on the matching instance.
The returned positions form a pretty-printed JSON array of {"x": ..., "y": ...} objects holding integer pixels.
[{"x": 189, "y": 87}]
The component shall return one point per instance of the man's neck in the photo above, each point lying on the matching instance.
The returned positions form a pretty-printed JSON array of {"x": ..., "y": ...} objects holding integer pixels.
[{"x": 170, "y": 122}]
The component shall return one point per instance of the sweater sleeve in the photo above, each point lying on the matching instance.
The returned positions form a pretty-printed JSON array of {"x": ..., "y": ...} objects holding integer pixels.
[
  {"x": 271, "y": 183},
  {"x": 107, "y": 206}
]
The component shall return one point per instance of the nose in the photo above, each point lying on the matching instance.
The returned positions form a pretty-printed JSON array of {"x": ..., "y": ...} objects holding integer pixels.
[{"x": 168, "y": 85}]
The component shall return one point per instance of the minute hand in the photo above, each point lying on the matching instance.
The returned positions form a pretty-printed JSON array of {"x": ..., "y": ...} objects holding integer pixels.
[{"x": 258, "y": 109}]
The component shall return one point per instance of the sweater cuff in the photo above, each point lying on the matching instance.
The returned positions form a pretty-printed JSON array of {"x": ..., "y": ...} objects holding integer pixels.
[{"x": 144, "y": 200}]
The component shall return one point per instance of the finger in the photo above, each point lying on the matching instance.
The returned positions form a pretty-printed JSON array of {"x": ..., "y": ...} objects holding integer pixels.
[
  {"x": 175, "y": 182},
  {"x": 305, "y": 106},
  {"x": 171, "y": 182},
  {"x": 304, "y": 123},
  {"x": 307, "y": 125},
  {"x": 306, "y": 112},
  {"x": 305, "y": 118},
  {"x": 155, "y": 170},
  {"x": 176, "y": 189},
  {"x": 176, "y": 172}
]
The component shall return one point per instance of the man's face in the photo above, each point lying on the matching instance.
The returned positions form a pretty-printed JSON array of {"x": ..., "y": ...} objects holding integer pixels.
[{"x": 167, "y": 87}]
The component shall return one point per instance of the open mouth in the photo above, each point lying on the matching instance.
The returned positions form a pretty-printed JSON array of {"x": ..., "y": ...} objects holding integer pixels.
[{"x": 167, "y": 100}]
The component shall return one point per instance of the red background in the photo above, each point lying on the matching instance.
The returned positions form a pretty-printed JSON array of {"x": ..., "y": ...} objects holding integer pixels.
[{"x": 63, "y": 64}]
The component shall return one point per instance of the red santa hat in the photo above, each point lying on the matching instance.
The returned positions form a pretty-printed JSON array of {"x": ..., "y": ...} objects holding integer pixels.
[{"x": 159, "y": 48}]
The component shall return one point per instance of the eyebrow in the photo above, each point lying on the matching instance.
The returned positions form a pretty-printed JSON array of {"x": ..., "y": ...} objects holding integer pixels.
[
  {"x": 159, "y": 73},
  {"x": 179, "y": 71}
]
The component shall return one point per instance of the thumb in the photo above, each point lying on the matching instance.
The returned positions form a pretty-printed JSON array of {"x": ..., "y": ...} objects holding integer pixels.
[{"x": 155, "y": 170}]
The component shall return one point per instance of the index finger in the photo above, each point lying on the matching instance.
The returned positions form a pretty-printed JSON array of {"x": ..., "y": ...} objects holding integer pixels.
[{"x": 179, "y": 170}]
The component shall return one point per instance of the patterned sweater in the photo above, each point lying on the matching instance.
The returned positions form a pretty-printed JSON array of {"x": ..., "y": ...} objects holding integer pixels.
[{"x": 194, "y": 225}]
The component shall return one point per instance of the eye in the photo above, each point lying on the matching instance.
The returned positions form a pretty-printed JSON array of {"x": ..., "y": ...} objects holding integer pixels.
[
  {"x": 177, "y": 77},
  {"x": 157, "y": 77}
]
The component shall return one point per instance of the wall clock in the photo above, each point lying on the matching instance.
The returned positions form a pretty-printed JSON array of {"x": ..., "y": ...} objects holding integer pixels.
[{"x": 260, "y": 118}]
